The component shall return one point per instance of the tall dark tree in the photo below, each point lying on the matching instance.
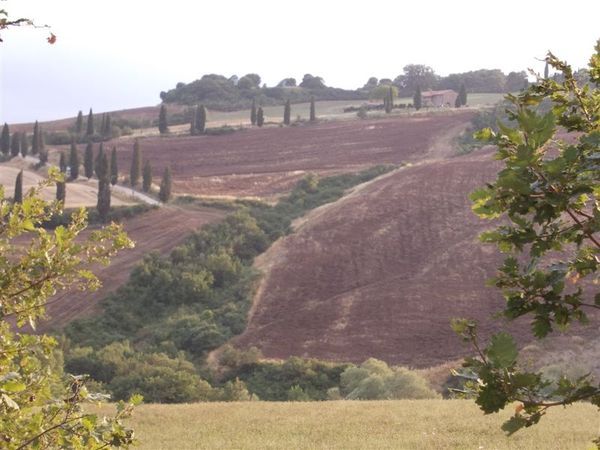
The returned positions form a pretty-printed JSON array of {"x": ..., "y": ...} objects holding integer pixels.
[
  {"x": 390, "y": 100},
  {"x": 193, "y": 131},
  {"x": 165, "y": 186},
  {"x": 103, "y": 124},
  {"x": 546, "y": 71},
  {"x": 62, "y": 163},
  {"x": 5, "y": 140},
  {"x": 260, "y": 117},
  {"x": 88, "y": 160},
  {"x": 147, "y": 177},
  {"x": 79, "y": 123},
  {"x": 107, "y": 130},
  {"x": 90, "y": 123},
  {"x": 287, "y": 112},
  {"x": 18, "y": 197},
  {"x": 163, "y": 128},
  {"x": 136, "y": 164},
  {"x": 100, "y": 169},
  {"x": 35, "y": 140},
  {"x": 253, "y": 112},
  {"x": 114, "y": 168},
  {"x": 313, "y": 114},
  {"x": 24, "y": 144},
  {"x": 74, "y": 161},
  {"x": 43, "y": 155},
  {"x": 103, "y": 205},
  {"x": 462, "y": 95},
  {"x": 200, "y": 119},
  {"x": 40, "y": 144},
  {"x": 418, "y": 98},
  {"x": 15, "y": 144},
  {"x": 61, "y": 191}
]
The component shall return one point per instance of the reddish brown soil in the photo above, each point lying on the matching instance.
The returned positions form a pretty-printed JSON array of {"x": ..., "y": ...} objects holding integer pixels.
[
  {"x": 382, "y": 272},
  {"x": 264, "y": 162},
  {"x": 158, "y": 230}
]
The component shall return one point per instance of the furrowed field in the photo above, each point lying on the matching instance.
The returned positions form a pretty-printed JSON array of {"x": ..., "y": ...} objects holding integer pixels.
[{"x": 406, "y": 424}]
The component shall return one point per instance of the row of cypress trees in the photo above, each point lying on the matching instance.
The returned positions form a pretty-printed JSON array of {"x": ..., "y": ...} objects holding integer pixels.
[
  {"x": 18, "y": 143},
  {"x": 257, "y": 114}
]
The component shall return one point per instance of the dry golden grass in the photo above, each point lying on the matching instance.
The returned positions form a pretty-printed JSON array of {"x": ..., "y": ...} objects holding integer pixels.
[{"x": 409, "y": 424}]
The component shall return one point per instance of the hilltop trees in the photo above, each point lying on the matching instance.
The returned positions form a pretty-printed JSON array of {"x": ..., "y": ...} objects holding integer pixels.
[
  {"x": 418, "y": 98},
  {"x": 547, "y": 195},
  {"x": 147, "y": 177},
  {"x": 114, "y": 169},
  {"x": 88, "y": 161},
  {"x": 90, "y": 124},
  {"x": 18, "y": 197},
  {"x": 260, "y": 118},
  {"x": 165, "y": 186},
  {"x": 136, "y": 164},
  {"x": 24, "y": 144},
  {"x": 163, "y": 128},
  {"x": 416, "y": 76},
  {"x": 5, "y": 140},
  {"x": 79, "y": 123},
  {"x": 74, "y": 161},
  {"x": 15, "y": 144},
  {"x": 35, "y": 140},
  {"x": 253, "y": 112},
  {"x": 287, "y": 111},
  {"x": 313, "y": 115}
]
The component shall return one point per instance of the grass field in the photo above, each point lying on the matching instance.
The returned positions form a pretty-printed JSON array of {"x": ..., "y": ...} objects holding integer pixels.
[{"x": 408, "y": 424}]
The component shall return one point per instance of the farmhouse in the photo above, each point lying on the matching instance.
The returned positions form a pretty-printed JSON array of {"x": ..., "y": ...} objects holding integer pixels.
[{"x": 439, "y": 98}]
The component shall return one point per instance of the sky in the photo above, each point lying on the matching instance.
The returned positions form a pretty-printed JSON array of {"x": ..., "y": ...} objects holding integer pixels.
[{"x": 116, "y": 54}]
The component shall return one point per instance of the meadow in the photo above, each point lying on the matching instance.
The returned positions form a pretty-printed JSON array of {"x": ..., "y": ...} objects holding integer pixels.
[{"x": 404, "y": 424}]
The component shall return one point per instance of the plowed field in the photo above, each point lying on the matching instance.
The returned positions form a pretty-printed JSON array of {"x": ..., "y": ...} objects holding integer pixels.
[
  {"x": 381, "y": 272},
  {"x": 158, "y": 230},
  {"x": 265, "y": 162}
]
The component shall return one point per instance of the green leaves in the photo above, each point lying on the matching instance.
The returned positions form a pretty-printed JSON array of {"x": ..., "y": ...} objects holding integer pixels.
[{"x": 502, "y": 351}]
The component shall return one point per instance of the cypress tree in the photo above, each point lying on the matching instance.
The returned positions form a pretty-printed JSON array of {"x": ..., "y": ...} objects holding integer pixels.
[
  {"x": 114, "y": 169},
  {"x": 313, "y": 115},
  {"x": 253, "y": 112},
  {"x": 15, "y": 144},
  {"x": 41, "y": 144},
  {"x": 165, "y": 186},
  {"x": 546, "y": 71},
  {"x": 61, "y": 191},
  {"x": 35, "y": 140},
  {"x": 43, "y": 155},
  {"x": 99, "y": 168},
  {"x": 18, "y": 197},
  {"x": 260, "y": 118},
  {"x": 147, "y": 177},
  {"x": 103, "y": 125},
  {"x": 200, "y": 119},
  {"x": 107, "y": 130},
  {"x": 88, "y": 160},
  {"x": 79, "y": 123},
  {"x": 90, "y": 124},
  {"x": 5, "y": 140},
  {"x": 457, "y": 101},
  {"x": 287, "y": 112},
  {"x": 389, "y": 100},
  {"x": 103, "y": 205},
  {"x": 162, "y": 120},
  {"x": 74, "y": 161},
  {"x": 62, "y": 163},
  {"x": 136, "y": 164},
  {"x": 418, "y": 98},
  {"x": 193, "y": 130},
  {"x": 24, "y": 144},
  {"x": 462, "y": 95}
]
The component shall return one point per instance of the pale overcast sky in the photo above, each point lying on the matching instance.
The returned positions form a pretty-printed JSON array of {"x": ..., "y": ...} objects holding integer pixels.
[{"x": 114, "y": 54}]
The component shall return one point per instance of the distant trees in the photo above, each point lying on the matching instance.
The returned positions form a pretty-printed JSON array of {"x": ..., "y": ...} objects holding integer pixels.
[
  {"x": 163, "y": 128},
  {"x": 416, "y": 75},
  {"x": 62, "y": 163},
  {"x": 100, "y": 169},
  {"x": 18, "y": 197},
  {"x": 35, "y": 140},
  {"x": 164, "y": 194},
  {"x": 418, "y": 98},
  {"x": 88, "y": 161},
  {"x": 24, "y": 144},
  {"x": 253, "y": 112},
  {"x": 5, "y": 140},
  {"x": 90, "y": 124},
  {"x": 313, "y": 115},
  {"x": 388, "y": 99},
  {"x": 136, "y": 164},
  {"x": 193, "y": 131},
  {"x": 260, "y": 118},
  {"x": 74, "y": 161},
  {"x": 106, "y": 128},
  {"x": 79, "y": 123},
  {"x": 15, "y": 144},
  {"x": 114, "y": 169},
  {"x": 249, "y": 81},
  {"x": 287, "y": 82},
  {"x": 147, "y": 177},
  {"x": 200, "y": 119},
  {"x": 311, "y": 82},
  {"x": 287, "y": 111},
  {"x": 103, "y": 173}
]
